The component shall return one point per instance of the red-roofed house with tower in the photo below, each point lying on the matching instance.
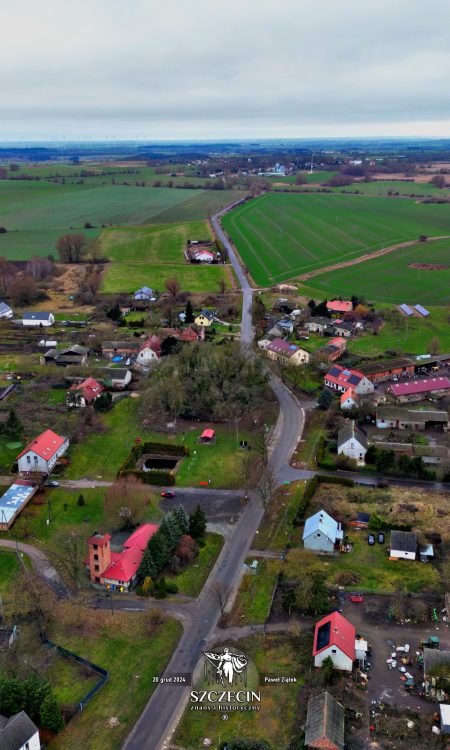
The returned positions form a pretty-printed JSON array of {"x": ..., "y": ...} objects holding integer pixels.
[{"x": 118, "y": 570}]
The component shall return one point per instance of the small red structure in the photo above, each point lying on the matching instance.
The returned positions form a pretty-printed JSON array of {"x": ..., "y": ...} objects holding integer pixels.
[
  {"x": 356, "y": 598},
  {"x": 208, "y": 436}
]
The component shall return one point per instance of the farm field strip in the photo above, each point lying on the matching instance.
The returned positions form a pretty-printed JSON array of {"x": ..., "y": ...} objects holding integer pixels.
[
  {"x": 274, "y": 232},
  {"x": 388, "y": 278}
]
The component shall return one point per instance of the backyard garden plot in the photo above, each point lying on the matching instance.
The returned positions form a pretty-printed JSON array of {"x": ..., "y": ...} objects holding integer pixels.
[
  {"x": 280, "y": 236},
  {"x": 390, "y": 278}
]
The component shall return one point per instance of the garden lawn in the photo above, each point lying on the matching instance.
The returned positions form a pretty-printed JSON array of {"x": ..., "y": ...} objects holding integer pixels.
[
  {"x": 8, "y": 455},
  {"x": 191, "y": 581},
  {"x": 127, "y": 277},
  {"x": 274, "y": 722},
  {"x": 70, "y": 681},
  {"x": 389, "y": 278},
  {"x": 254, "y": 598},
  {"x": 379, "y": 574},
  {"x": 117, "y": 642},
  {"x": 411, "y": 336},
  {"x": 221, "y": 462},
  {"x": 280, "y": 236}
]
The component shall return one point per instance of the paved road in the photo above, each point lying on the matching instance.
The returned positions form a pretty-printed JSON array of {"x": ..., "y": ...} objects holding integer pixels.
[{"x": 247, "y": 291}]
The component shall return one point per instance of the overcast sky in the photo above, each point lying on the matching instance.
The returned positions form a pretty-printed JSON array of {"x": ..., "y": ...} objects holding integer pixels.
[{"x": 206, "y": 69}]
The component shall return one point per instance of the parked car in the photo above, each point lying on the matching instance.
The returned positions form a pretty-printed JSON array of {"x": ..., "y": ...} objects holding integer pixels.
[
  {"x": 168, "y": 493},
  {"x": 52, "y": 483},
  {"x": 380, "y": 538},
  {"x": 371, "y": 539}
]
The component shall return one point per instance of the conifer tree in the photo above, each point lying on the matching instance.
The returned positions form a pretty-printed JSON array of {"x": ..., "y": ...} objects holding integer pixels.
[
  {"x": 182, "y": 519},
  {"x": 51, "y": 717},
  {"x": 197, "y": 523}
]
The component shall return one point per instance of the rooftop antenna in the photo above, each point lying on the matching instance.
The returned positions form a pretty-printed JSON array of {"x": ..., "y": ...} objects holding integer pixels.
[{"x": 312, "y": 165}]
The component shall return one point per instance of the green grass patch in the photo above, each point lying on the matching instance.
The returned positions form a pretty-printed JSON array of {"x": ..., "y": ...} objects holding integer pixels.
[
  {"x": 8, "y": 454},
  {"x": 9, "y": 570},
  {"x": 127, "y": 277},
  {"x": 198, "y": 204},
  {"x": 70, "y": 681},
  {"x": 389, "y": 278},
  {"x": 221, "y": 462},
  {"x": 276, "y": 530},
  {"x": 379, "y": 574},
  {"x": 252, "y": 605},
  {"x": 280, "y": 236},
  {"x": 156, "y": 244},
  {"x": 273, "y": 655},
  {"x": 191, "y": 581},
  {"x": 117, "y": 642}
]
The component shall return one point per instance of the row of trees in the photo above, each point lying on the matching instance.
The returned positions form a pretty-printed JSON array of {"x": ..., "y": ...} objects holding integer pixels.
[
  {"x": 33, "y": 695},
  {"x": 205, "y": 382},
  {"x": 385, "y": 462},
  {"x": 174, "y": 543}
]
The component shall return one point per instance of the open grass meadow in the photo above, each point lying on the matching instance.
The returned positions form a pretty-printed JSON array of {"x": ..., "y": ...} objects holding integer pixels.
[
  {"x": 120, "y": 643},
  {"x": 409, "y": 336},
  {"x": 274, "y": 722},
  {"x": 391, "y": 187},
  {"x": 127, "y": 277},
  {"x": 280, "y": 236}
]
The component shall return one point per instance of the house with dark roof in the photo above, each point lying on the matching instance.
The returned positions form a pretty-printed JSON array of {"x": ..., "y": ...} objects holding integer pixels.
[
  {"x": 120, "y": 348},
  {"x": 19, "y": 733},
  {"x": 38, "y": 319},
  {"x": 73, "y": 355},
  {"x": 205, "y": 318},
  {"x": 400, "y": 418},
  {"x": 403, "y": 545},
  {"x": 318, "y": 325},
  {"x": 388, "y": 369},
  {"x": 116, "y": 377},
  {"x": 352, "y": 442},
  {"x": 342, "y": 378},
  {"x": 280, "y": 350},
  {"x": 40, "y": 456},
  {"x": 334, "y": 636},
  {"x": 118, "y": 570},
  {"x": 325, "y": 721},
  {"x": 344, "y": 328}
]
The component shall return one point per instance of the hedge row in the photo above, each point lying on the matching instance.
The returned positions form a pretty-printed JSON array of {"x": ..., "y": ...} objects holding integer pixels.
[
  {"x": 150, "y": 477},
  {"x": 336, "y": 480},
  {"x": 141, "y": 448}
]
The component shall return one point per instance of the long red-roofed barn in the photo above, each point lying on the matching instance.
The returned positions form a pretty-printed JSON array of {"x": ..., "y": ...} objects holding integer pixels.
[
  {"x": 334, "y": 636},
  {"x": 40, "y": 456}
]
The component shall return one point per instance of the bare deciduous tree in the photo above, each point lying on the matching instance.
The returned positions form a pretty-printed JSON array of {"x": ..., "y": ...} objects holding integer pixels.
[
  {"x": 71, "y": 247},
  {"x": 221, "y": 594},
  {"x": 23, "y": 290},
  {"x": 124, "y": 503},
  {"x": 173, "y": 287}
]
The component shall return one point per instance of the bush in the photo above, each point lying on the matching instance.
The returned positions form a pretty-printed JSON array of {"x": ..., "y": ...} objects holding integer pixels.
[{"x": 171, "y": 587}]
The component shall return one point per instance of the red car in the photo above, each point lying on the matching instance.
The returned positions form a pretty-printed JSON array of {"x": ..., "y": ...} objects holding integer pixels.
[
  {"x": 356, "y": 598},
  {"x": 168, "y": 493}
]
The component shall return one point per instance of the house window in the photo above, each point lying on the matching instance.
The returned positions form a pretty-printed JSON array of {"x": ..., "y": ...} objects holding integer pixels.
[
  {"x": 95, "y": 557},
  {"x": 97, "y": 579},
  {"x": 95, "y": 546},
  {"x": 333, "y": 651},
  {"x": 29, "y": 459},
  {"x": 27, "y": 746},
  {"x": 97, "y": 568}
]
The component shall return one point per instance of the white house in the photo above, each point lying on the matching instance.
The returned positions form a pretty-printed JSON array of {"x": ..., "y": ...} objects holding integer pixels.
[
  {"x": 5, "y": 311},
  {"x": 352, "y": 442},
  {"x": 321, "y": 532},
  {"x": 38, "y": 319},
  {"x": 19, "y": 733},
  {"x": 349, "y": 399},
  {"x": 145, "y": 293},
  {"x": 334, "y": 636},
  {"x": 41, "y": 455},
  {"x": 117, "y": 377},
  {"x": 204, "y": 256},
  {"x": 150, "y": 352},
  {"x": 403, "y": 545},
  {"x": 341, "y": 379}
]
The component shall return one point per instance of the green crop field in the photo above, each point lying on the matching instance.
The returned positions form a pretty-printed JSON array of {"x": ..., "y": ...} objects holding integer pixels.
[
  {"x": 280, "y": 236},
  {"x": 36, "y": 214},
  {"x": 389, "y": 278},
  {"x": 385, "y": 187},
  {"x": 148, "y": 255}
]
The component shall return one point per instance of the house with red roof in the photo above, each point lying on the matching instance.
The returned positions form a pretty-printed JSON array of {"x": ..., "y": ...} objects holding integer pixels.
[
  {"x": 150, "y": 352},
  {"x": 208, "y": 436},
  {"x": 117, "y": 571},
  {"x": 41, "y": 455},
  {"x": 334, "y": 636},
  {"x": 342, "y": 378},
  {"x": 416, "y": 390},
  {"x": 339, "y": 306},
  {"x": 349, "y": 399},
  {"x": 84, "y": 394}
]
